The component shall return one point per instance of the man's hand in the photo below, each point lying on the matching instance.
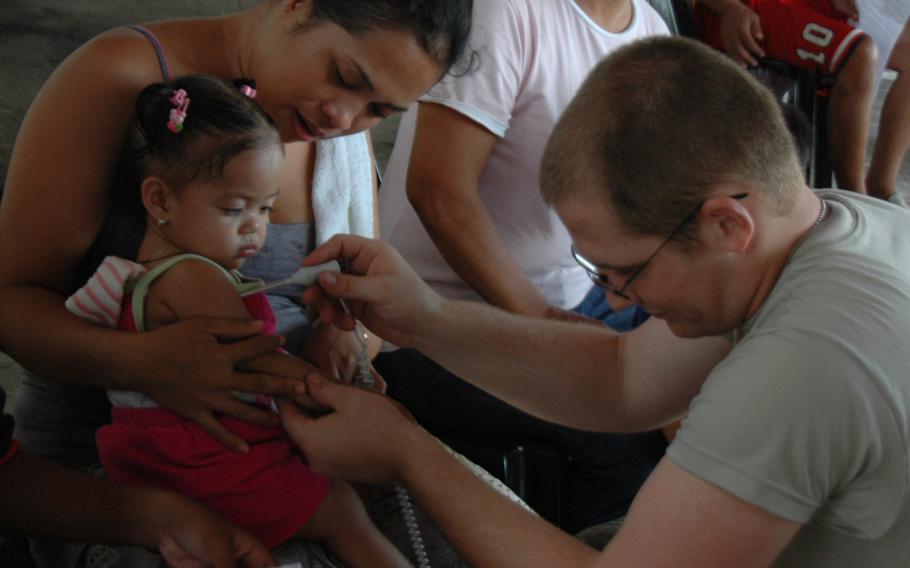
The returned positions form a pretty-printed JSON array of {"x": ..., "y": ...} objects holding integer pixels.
[
  {"x": 380, "y": 289},
  {"x": 364, "y": 438}
]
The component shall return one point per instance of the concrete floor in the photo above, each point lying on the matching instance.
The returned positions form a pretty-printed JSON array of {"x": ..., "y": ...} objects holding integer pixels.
[{"x": 35, "y": 35}]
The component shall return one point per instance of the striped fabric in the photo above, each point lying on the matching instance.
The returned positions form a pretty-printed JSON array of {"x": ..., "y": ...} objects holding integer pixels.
[{"x": 100, "y": 298}]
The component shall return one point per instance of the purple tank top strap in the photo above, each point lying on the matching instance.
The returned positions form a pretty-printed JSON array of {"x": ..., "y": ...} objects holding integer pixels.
[{"x": 159, "y": 51}]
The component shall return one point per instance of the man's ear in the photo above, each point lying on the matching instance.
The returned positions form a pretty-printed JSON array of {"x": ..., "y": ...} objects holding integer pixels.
[
  {"x": 157, "y": 197},
  {"x": 726, "y": 224}
]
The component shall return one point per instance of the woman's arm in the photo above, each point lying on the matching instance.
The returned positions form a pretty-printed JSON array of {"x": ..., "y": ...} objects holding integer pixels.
[{"x": 41, "y": 499}]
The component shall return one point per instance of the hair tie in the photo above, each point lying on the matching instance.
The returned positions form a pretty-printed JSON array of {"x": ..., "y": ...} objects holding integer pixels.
[
  {"x": 177, "y": 115},
  {"x": 248, "y": 91}
]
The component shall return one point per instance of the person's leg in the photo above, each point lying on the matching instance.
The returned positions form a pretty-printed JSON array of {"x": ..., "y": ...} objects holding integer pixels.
[
  {"x": 343, "y": 525},
  {"x": 848, "y": 115},
  {"x": 810, "y": 35},
  {"x": 894, "y": 124}
]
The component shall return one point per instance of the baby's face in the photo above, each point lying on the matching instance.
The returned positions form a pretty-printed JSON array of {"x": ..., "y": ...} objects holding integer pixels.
[{"x": 226, "y": 219}]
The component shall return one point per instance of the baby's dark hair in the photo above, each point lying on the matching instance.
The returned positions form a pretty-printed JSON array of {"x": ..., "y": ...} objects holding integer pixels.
[{"x": 220, "y": 123}]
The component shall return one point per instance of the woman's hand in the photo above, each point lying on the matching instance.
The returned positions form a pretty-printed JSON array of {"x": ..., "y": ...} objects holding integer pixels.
[
  {"x": 740, "y": 30},
  {"x": 191, "y": 368}
]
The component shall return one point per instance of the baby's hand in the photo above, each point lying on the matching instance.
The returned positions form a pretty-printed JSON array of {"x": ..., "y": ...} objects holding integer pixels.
[{"x": 334, "y": 351}]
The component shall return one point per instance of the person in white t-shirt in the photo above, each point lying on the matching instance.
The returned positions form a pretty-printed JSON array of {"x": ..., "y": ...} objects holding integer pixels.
[{"x": 461, "y": 201}]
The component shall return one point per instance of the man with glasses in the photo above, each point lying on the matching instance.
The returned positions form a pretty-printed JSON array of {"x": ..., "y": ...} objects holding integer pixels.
[{"x": 780, "y": 325}]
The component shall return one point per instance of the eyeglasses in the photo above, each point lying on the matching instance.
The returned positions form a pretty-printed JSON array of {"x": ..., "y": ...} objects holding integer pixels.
[{"x": 603, "y": 281}]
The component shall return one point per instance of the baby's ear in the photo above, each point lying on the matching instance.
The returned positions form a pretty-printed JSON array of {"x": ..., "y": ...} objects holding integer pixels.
[{"x": 156, "y": 197}]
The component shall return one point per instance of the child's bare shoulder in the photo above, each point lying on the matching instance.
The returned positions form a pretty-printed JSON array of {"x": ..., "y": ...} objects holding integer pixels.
[{"x": 195, "y": 287}]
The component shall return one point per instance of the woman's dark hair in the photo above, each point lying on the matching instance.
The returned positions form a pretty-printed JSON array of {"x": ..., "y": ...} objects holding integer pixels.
[
  {"x": 441, "y": 26},
  {"x": 220, "y": 123}
]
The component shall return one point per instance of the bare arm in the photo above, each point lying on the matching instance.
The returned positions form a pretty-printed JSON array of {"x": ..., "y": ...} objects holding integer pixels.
[
  {"x": 442, "y": 187},
  {"x": 578, "y": 375},
  {"x": 54, "y": 204},
  {"x": 42, "y": 499},
  {"x": 695, "y": 523}
]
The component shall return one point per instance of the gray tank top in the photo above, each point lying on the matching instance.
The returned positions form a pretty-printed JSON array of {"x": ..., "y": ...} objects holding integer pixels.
[{"x": 285, "y": 246}]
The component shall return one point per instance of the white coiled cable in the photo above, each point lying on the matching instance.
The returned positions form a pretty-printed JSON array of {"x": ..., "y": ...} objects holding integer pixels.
[
  {"x": 410, "y": 521},
  {"x": 364, "y": 378}
]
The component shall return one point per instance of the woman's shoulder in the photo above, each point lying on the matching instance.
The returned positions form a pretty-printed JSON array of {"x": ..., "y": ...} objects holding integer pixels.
[{"x": 123, "y": 53}]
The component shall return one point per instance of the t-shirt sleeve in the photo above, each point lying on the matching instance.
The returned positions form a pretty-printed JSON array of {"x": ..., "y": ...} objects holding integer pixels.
[
  {"x": 486, "y": 93},
  {"x": 799, "y": 428}
]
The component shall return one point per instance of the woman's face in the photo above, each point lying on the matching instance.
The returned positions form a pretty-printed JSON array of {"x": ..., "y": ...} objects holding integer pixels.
[{"x": 320, "y": 81}]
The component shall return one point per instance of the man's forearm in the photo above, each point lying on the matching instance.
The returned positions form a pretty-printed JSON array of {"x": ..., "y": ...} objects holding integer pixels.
[
  {"x": 574, "y": 374},
  {"x": 486, "y": 528},
  {"x": 555, "y": 370}
]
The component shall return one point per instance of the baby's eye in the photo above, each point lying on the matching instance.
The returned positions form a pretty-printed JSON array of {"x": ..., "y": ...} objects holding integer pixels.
[
  {"x": 231, "y": 211},
  {"x": 266, "y": 209}
]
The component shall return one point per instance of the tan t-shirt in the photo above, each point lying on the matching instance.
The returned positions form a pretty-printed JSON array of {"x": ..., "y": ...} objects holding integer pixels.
[{"x": 807, "y": 417}]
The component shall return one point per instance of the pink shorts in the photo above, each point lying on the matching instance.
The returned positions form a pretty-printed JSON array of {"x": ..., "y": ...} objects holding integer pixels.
[
  {"x": 804, "y": 33},
  {"x": 270, "y": 490}
]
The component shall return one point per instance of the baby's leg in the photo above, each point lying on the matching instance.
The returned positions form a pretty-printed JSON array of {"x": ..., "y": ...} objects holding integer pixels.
[{"x": 343, "y": 525}]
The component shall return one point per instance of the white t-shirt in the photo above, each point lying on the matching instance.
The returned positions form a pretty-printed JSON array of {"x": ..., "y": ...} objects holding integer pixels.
[
  {"x": 534, "y": 54},
  {"x": 809, "y": 415}
]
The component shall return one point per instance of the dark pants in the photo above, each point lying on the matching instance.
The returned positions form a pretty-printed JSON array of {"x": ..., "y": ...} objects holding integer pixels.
[{"x": 600, "y": 473}]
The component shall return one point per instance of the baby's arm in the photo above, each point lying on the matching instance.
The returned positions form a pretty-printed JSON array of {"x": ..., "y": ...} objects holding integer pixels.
[{"x": 192, "y": 288}]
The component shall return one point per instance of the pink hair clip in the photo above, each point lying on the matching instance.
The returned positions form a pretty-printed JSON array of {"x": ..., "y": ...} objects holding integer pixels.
[
  {"x": 248, "y": 91},
  {"x": 177, "y": 115}
]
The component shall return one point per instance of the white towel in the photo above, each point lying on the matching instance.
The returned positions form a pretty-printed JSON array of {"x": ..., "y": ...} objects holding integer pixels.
[{"x": 343, "y": 187}]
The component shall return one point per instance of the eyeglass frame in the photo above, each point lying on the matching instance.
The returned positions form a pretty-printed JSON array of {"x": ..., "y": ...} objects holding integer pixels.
[{"x": 600, "y": 279}]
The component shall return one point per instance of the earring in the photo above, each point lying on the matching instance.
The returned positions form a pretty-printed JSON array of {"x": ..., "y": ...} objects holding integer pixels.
[{"x": 162, "y": 222}]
